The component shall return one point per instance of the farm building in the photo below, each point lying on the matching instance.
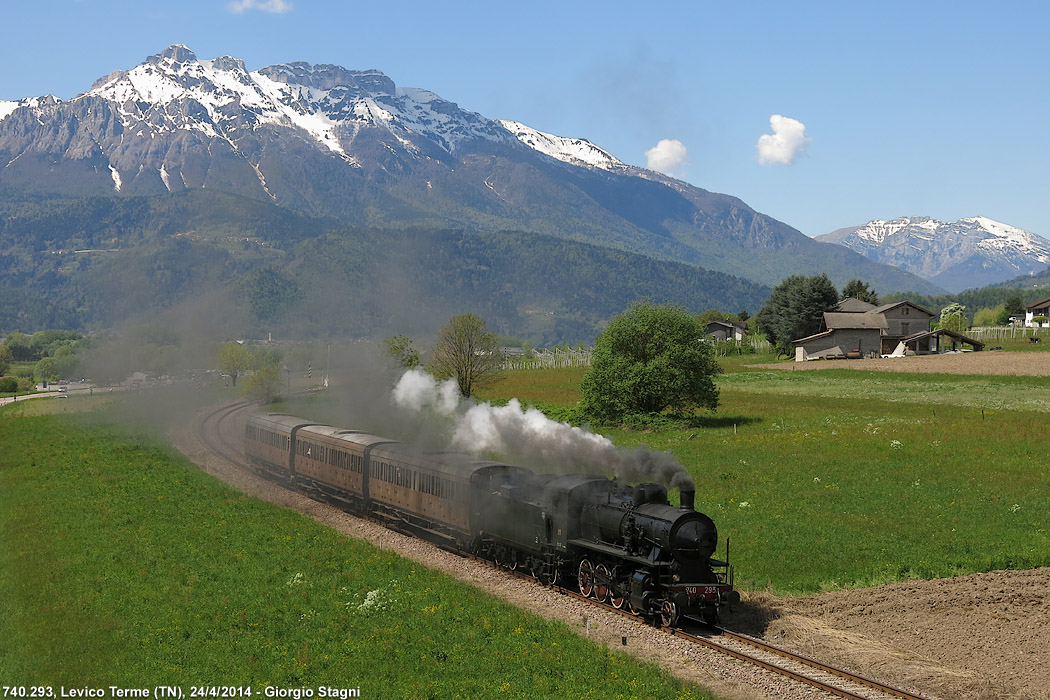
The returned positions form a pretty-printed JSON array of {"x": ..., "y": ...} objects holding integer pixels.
[
  {"x": 727, "y": 330},
  {"x": 857, "y": 329},
  {"x": 1039, "y": 308}
]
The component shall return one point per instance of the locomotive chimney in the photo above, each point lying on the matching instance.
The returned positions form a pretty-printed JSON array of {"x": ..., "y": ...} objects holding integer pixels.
[{"x": 688, "y": 498}]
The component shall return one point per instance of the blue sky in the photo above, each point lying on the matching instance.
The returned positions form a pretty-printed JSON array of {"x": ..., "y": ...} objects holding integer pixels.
[{"x": 882, "y": 109}]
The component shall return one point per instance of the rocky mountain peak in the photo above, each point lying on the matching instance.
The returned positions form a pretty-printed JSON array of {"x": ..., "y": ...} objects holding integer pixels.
[
  {"x": 963, "y": 254},
  {"x": 228, "y": 64},
  {"x": 330, "y": 77},
  {"x": 176, "y": 53}
]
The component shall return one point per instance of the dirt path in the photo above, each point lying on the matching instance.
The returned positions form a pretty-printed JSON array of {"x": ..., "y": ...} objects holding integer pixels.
[{"x": 987, "y": 362}]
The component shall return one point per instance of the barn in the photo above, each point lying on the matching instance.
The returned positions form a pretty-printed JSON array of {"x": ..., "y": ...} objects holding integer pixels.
[{"x": 858, "y": 329}]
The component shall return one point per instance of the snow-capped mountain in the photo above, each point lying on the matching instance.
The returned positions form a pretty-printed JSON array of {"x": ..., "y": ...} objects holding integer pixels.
[
  {"x": 963, "y": 254},
  {"x": 352, "y": 145}
]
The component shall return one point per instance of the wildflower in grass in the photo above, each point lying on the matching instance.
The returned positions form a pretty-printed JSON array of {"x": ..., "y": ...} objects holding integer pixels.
[
  {"x": 375, "y": 600},
  {"x": 916, "y": 483},
  {"x": 745, "y": 504},
  {"x": 1015, "y": 507},
  {"x": 296, "y": 580},
  {"x": 896, "y": 444},
  {"x": 816, "y": 480}
]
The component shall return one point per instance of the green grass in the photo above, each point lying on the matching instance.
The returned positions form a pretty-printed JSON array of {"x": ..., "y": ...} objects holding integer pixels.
[
  {"x": 837, "y": 478},
  {"x": 123, "y": 564}
]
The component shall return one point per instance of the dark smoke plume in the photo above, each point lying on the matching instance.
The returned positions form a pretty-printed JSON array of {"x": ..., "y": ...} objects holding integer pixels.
[{"x": 528, "y": 437}]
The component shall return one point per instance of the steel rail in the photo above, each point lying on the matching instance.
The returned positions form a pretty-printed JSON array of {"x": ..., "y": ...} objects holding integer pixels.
[{"x": 813, "y": 663}]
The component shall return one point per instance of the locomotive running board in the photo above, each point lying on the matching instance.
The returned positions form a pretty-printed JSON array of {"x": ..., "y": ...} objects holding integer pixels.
[{"x": 612, "y": 551}]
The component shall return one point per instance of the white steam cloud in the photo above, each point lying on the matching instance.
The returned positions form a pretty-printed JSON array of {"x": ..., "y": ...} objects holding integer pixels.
[
  {"x": 668, "y": 156},
  {"x": 787, "y": 142},
  {"x": 529, "y": 436},
  {"x": 277, "y": 7}
]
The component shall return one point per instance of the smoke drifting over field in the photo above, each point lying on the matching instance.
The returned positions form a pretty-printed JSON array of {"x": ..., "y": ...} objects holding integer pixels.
[{"x": 528, "y": 437}]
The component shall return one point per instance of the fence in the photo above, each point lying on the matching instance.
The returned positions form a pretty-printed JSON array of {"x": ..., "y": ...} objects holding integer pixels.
[
  {"x": 748, "y": 346},
  {"x": 1006, "y": 332},
  {"x": 548, "y": 359},
  {"x": 556, "y": 359}
]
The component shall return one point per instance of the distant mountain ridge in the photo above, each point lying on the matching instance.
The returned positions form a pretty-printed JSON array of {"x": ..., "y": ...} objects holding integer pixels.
[
  {"x": 331, "y": 142},
  {"x": 965, "y": 254}
]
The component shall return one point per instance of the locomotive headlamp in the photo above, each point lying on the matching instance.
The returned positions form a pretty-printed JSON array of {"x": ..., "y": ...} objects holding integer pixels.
[{"x": 676, "y": 578}]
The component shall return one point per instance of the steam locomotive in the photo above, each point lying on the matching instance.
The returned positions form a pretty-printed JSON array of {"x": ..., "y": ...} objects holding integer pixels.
[{"x": 623, "y": 545}]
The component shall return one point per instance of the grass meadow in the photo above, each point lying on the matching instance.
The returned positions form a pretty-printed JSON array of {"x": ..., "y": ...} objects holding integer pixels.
[
  {"x": 836, "y": 478},
  {"x": 124, "y": 564}
]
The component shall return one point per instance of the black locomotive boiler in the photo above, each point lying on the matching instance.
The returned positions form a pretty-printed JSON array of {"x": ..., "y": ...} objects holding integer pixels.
[{"x": 619, "y": 544}]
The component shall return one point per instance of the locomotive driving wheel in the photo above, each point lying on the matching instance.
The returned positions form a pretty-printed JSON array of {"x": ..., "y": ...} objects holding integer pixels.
[
  {"x": 601, "y": 583},
  {"x": 585, "y": 578},
  {"x": 617, "y": 598},
  {"x": 669, "y": 614}
]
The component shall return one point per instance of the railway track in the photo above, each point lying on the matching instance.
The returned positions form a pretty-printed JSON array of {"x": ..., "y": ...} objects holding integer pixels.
[
  {"x": 797, "y": 667},
  {"x": 212, "y": 429}
]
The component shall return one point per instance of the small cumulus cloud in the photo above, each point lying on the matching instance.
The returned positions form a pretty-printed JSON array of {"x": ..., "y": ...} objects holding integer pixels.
[
  {"x": 277, "y": 7},
  {"x": 787, "y": 142},
  {"x": 669, "y": 156}
]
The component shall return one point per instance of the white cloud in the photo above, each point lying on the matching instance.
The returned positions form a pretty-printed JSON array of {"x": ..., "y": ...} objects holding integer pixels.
[
  {"x": 669, "y": 156},
  {"x": 787, "y": 141},
  {"x": 277, "y": 7}
]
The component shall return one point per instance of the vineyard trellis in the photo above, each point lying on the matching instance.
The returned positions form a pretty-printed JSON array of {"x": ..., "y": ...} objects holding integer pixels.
[
  {"x": 548, "y": 359},
  {"x": 1007, "y": 332},
  {"x": 558, "y": 358}
]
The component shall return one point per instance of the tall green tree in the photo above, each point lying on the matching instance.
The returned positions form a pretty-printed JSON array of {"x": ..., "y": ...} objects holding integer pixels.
[
  {"x": 858, "y": 289},
  {"x": 464, "y": 349},
  {"x": 650, "y": 359},
  {"x": 264, "y": 384},
  {"x": 795, "y": 308},
  {"x": 1013, "y": 306},
  {"x": 400, "y": 349},
  {"x": 234, "y": 358},
  {"x": 20, "y": 348},
  {"x": 6, "y": 358}
]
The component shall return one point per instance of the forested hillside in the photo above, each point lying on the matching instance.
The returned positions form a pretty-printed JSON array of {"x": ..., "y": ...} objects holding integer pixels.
[{"x": 97, "y": 262}]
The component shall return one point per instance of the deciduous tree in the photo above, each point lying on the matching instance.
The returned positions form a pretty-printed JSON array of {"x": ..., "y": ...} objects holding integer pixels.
[
  {"x": 234, "y": 358},
  {"x": 953, "y": 318},
  {"x": 6, "y": 358},
  {"x": 467, "y": 351},
  {"x": 401, "y": 350},
  {"x": 650, "y": 359}
]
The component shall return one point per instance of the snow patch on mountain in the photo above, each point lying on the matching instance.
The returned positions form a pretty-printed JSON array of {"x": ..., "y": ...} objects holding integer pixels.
[
  {"x": 568, "y": 150},
  {"x": 329, "y": 103}
]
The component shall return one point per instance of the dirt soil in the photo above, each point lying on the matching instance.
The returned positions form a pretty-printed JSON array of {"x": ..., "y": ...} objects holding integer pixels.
[
  {"x": 987, "y": 362},
  {"x": 985, "y": 636},
  {"x": 981, "y": 636}
]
